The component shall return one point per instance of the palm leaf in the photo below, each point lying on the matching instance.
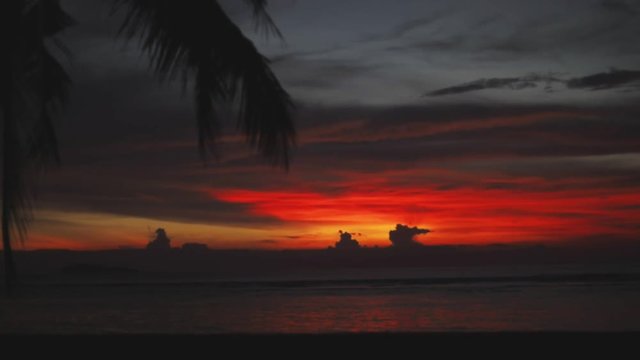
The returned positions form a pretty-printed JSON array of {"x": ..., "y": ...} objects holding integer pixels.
[
  {"x": 262, "y": 17},
  {"x": 37, "y": 89},
  {"x": 197, "y": 41}
]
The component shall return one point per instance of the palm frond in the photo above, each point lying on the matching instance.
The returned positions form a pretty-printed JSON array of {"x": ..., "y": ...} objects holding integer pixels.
[
  {"x": 55, "y": 19},
  {"x": 43, "y": 147},
  {"x": 39, "y": 88},
  {"x": 197, "y": 41},
  {"x": 208, "y": 123},
  {"x": 262, "y": 18}
]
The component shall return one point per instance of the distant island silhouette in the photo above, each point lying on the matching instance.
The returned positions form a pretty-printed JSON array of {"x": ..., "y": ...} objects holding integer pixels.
[
  {"x": 347, "y": 253},
  {"x": 347, "y": 242},
  {"x": 222, "y": 263},
  {"x": 162, "y": 242},
  {"x": 402, "y": 237}
]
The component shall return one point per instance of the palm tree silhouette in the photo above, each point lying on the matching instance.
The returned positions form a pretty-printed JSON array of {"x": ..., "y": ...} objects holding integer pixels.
[
  {"x": 193, "y": 40},
  {"x": 34, "y": 88}
]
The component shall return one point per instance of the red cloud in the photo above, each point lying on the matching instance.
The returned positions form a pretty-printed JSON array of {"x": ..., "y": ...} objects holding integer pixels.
[{"x": 464, "y": 215}]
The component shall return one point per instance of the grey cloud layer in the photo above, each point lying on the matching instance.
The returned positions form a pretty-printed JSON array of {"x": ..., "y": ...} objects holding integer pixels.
[
  {"x": 407, "y": 44},
  {"x": 129, "y": 144}
]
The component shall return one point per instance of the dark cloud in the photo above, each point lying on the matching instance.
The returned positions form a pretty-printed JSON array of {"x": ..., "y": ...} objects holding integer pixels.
[
  {"x": 370, "y": 139},
  {"x": 404, "y": 236},
  {"x": 462, "y": 122},
  {"x": 607, "y": 80},
  {"x": 517, "y": 83},
  {"x": 599, "y": 81},
  {"x": 146, "y": 185}
]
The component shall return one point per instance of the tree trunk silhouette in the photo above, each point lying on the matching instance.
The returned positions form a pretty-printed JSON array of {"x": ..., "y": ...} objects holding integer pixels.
[
  {"x": 8, "y": 153},
  {"x": 9, "y": 19}
]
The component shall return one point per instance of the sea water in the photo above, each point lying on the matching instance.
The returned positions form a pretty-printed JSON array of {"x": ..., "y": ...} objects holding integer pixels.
[{"x": 414, "y": 301}]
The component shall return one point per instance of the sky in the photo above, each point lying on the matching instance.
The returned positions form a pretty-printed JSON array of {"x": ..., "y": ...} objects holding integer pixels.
[{"x": 484, "y": 121}]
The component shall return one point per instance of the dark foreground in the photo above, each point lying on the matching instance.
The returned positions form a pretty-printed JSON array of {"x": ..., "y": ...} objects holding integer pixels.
[
  {"x": 376, "y": 345},
  {"x": 569, "y": 302},
  {"x": 134, "y": 292}
]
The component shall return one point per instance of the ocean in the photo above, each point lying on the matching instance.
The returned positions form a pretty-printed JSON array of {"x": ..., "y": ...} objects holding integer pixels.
[{"x": 412, "y": 300}]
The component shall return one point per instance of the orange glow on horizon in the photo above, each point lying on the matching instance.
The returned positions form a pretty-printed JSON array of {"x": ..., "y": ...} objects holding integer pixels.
[
  {"x": 306, "y": 218},
  {"x": 459, "y": 216}
]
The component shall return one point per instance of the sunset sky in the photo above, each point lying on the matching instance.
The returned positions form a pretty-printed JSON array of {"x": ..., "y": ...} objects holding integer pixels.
[{"x": 485, "y": 121}]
